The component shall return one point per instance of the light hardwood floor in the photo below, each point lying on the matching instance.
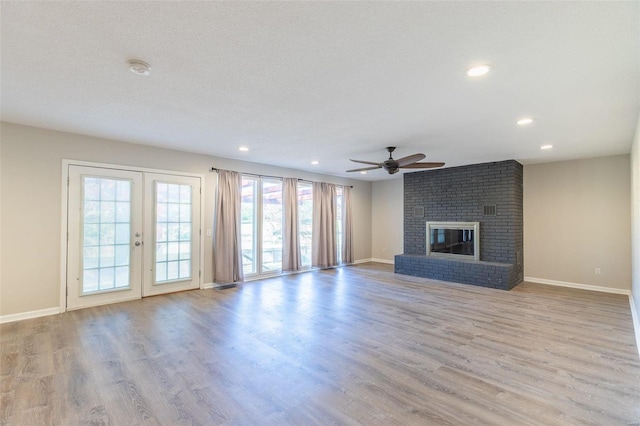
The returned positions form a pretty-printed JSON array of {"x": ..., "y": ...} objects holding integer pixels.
[{"x": 354, "y": 345}]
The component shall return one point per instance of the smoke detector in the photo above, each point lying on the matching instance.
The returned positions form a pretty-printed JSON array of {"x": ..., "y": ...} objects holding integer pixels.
[{"x": 139, "y": 67}]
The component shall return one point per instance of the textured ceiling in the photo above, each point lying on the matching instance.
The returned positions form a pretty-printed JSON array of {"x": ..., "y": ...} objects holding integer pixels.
[{"x": 329, "y": 81}]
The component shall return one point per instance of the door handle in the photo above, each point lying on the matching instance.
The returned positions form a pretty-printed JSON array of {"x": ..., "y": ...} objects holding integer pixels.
[{"x": 137, "y": 243}]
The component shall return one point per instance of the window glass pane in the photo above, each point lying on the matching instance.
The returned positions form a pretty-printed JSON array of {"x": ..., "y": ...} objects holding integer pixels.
[
  {"x": 91, "y": 188},
  {"x": 161, "y": 271},
  {"x": 185, "y": 232},
  {"x": 123, "y": 213},
  {"x": 161, "y": 192},
  {"x": 161, "y": 212},
  {"x": 123, "y": 191},
  {"x": 185, "y": 213},
  {"x": 173, "y": 231},
  {"x": 248, "y": 228},
  {"x": 172, "y": 271},
  {"x": 271, "y": 225},
  {"x": 185, "y": 251},
  {"x": 122, "y": 255},
  {"x": 161, "y": 252},
  {"x": 305, "y": 221},
  {"x": 105, "y": 224},
  {"x": 92, "y": 212},
  {"x": 107, "y": 256},
  {"x": 122, "y": 233},
  {"x": 91, "y": 258},
  {"x": 107, "y": 189},
  {"x": 91, "y": 235},
  {"x": 173, "y": 251},
  {"x": 173, "y": 214},
  {"x": 185, "y": 194},
  {"x": 122, "y": 277},
  {"x": 185, "y": 268},
  {"x": 161, "y": 231},
  {"x": 90, "y": 280},
  {"x": 106, "y": 278},
  {"x": 107, "y": 233},
  {"x": 107, "y": 211},
  {"x": 174, "y": 193}
]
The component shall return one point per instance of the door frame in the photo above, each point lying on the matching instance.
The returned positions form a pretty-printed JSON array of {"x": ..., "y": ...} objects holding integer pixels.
[{"x": 64, "y": 226}]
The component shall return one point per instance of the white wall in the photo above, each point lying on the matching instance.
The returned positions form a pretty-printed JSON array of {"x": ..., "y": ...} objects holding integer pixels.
[
  {"x": 635, "y": 226},
  {"x": 387, "y": 217},
  {"x": 576, "y": 219},
  {"x": 30, "y": 179}
]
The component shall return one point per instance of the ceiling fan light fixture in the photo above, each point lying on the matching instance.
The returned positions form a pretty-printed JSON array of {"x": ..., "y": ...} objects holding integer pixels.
[
  {"x": 478, "y": 70},
  {"x": 139, "y": 67},
  {"x": 392, "y": 166}
]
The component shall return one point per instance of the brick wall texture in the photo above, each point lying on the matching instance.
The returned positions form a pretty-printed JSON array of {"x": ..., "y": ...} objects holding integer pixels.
[{"x": 460, "y": 194}]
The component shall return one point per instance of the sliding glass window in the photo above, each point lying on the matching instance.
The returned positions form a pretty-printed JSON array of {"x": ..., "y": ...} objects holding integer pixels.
[
  {"x": 339, "y": 223},
  {"x": 272, "y": 225},
  {"x": 249, "y": 228},
  {"x": 262, "y": 225},
  {"x": 305, "y": 221}
]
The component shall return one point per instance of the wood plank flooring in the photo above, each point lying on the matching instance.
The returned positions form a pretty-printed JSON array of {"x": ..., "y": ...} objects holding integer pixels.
[{"x": 354, "y": 345}]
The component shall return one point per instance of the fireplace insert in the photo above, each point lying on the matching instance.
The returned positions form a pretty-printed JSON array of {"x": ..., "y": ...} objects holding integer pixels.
[{"x": 458, "y": 240}]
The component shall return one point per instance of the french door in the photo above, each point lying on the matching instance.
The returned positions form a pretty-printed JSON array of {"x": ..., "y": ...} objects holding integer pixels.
[{"x": 130, "y": 234}]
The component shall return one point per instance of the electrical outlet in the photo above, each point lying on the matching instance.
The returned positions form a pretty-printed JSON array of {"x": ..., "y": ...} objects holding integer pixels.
[{"x": 598, "y": 271}]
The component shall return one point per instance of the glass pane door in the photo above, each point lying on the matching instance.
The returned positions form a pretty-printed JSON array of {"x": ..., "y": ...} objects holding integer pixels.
[
  {"x": 172, "y": 233},
  {"x": 106, "y": 234},
  {"x": 104, "y": 248}
]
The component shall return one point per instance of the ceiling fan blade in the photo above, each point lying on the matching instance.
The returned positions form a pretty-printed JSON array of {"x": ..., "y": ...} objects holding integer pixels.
[
  {"x": 366, "y": 162},
  {"x": 422, "y": 165},
  {"x": 410, "y": 159},
  {"x": 365, "y": 168}
]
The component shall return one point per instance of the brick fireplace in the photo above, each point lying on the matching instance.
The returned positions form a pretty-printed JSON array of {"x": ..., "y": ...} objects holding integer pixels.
[{"x": 489, "y": 194}]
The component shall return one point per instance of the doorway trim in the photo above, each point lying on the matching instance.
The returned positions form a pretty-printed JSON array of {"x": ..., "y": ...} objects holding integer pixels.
[{"x": 64, "y": 226}]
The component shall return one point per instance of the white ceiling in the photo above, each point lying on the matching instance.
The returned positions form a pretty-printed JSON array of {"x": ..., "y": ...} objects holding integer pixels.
[{"x": 329, "y": 81}]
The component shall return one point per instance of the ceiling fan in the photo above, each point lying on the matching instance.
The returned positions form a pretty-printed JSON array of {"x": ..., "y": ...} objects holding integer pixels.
[{"x": 392, "y": 166}]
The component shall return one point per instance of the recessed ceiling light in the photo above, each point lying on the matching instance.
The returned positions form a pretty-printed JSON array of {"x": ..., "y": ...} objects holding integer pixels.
[
  {"x": 524, "y": 121},
  {"x": 363, "y": 173},
  {"x": 139, "y": 67},
  {"x": 243, "y": 149},
  {"x": 546, "y": 147},
  {"x": 314, "y": 162},
  {"x": 479, "y": 70}
]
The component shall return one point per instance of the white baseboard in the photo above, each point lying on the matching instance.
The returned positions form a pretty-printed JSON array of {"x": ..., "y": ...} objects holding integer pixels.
[
  {"x": 635, "y": 314},
  {"x": 387, "y": 261},
  {"x": 373, "y": 259},
  {"x": 28, "y": 315},
  {"x": 206, "y": 286},
  {"x": 576, "y": 285}
]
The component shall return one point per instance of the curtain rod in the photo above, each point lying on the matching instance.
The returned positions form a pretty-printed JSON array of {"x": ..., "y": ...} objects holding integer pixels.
[{"x": 213, "y": 169}]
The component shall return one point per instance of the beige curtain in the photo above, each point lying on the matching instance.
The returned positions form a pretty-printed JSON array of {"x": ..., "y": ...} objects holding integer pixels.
[
  {"x": 347, "y": 226},
  {"x": 323, "y": 251},
  {"x": 227, "y": 250},
  {"x": 290, "y": 238}
]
